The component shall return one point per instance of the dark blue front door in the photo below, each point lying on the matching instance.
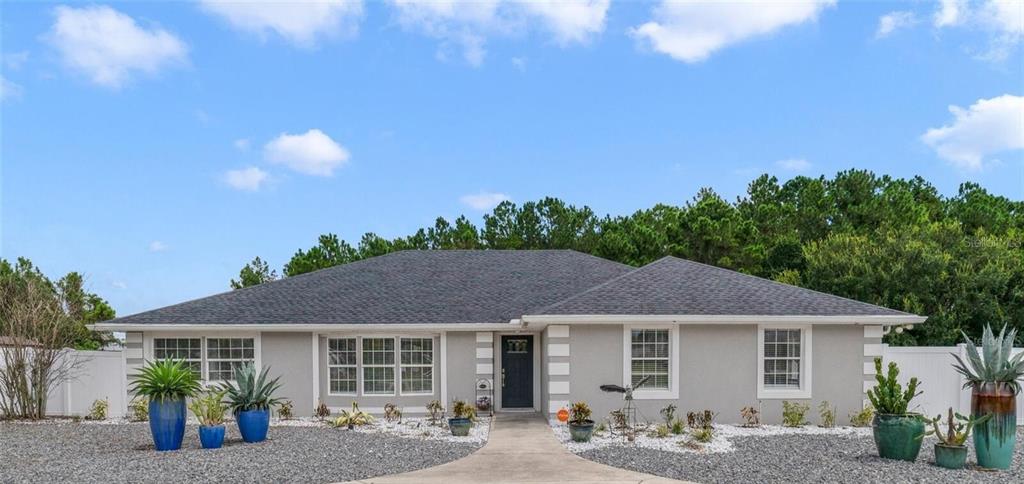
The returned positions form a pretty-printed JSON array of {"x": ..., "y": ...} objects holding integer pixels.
[{"x": 517, "y": 371}]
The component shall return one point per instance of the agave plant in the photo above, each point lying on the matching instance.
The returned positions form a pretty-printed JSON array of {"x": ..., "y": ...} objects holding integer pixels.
[
  {"x": 994, "y": 364},
  {"x": 250, "y": 391},
  {"x": 163, "y": 380}
]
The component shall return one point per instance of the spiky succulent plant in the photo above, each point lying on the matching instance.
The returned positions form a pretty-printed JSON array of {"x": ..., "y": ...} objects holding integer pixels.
[
  {"x": 251, "y": 390},
  {"x": 888, "y": 397},
  {"x": 994, "y": 364}
]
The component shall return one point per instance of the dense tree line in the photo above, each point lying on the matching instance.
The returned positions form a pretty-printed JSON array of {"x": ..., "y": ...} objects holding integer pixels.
[{"x": 888, "y": 241}]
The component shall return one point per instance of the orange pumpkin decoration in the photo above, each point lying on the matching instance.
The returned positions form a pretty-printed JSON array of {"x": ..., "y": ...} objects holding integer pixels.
[{"x": 563, "y": 415}]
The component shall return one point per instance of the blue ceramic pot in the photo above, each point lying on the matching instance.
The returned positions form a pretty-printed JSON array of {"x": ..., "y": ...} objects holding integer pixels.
[
  {"x": 167, "y": 423},
  {"x": 211, "y": 437},
  {"x": 253, "y": 425}
]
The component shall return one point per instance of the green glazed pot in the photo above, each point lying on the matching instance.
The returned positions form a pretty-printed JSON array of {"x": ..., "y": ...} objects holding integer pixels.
[
  {"x": 581, "y": 432},
  {"x": 950, "y": 456},
  {"x": 995, "y": 439},
  {"x": 460, "y": 426},
  {"x": 898, "y": 436}
]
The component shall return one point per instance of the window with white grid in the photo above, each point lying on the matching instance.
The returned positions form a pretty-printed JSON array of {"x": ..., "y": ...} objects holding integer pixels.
[
  {"x": 189, "y": 350},
  {"x": 650, "y": 358},
  {"x": 224, "y": 355},
  {"x": 378, "y": 366},
  {"x": 782, "y": 350},
  {"x": 341, "y": 364},
  {"x": 417, "y": 363}
]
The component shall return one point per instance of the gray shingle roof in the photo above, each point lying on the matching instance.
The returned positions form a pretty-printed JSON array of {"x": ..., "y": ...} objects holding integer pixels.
[
  {"x": 429, "y": 287},
  {"x": 680, "y": 287}
]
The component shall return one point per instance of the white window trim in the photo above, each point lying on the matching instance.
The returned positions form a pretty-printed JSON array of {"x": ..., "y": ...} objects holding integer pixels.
[
  {"x": 207, "y": 360},
  {"x": 329, "y": 366},
  {"x": 804, "y": 392},
  {"x": 433, "y": 373},
  {"x": 149, "y": 336},
  {"x": 673, "y": 366},
  {"x": 363, "y": 366}
]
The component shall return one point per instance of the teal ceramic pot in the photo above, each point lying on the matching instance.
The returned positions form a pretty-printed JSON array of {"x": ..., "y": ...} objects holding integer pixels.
[
  {"x": 581, "y": 432},
  {"x": 460, "y": 426},
  {"x": 898, "y": 436},
  {"x": 950, "y": 456},
  {"x": 995, "y": 439}
]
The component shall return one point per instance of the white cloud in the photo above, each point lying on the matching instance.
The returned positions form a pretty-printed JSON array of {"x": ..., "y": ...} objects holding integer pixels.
[
  {"x": 467, "y": 25},
  {"x": 484, "y": 200},
  {"x": 793, "y": 164},
  {"x": 242, "y": 144},
  {"x": 301, "y": 23},
  {"x": 894, "y": 21},
  {"x": 690, "y": 31},
  {"x": 119, "y": 284},
  {"x": 249, "y": 179},
  {"x": 1002, "y": 20},
  {"x": 949, "y": 12},
  {"x": 109, "y": 47},
  {"x": 988, "y": 127},
  {"x": 157, "y": 246},
  {"x": 312, "y": 153},
  {"x": 9, "y": 90}
]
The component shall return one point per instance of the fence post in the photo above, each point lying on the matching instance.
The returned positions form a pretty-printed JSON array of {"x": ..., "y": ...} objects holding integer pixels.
[{"x": 965, "y": 394}]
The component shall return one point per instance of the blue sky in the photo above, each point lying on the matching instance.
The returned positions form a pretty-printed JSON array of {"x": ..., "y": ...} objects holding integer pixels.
[{"x": 157, "y": 147}]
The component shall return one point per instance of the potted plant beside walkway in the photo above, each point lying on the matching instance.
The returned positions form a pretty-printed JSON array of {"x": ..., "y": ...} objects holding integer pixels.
[
  {"x": 166, "y": 384},
  {"x": 992, "y": 376},
  {"x": 581, "y": 427},
  {"x": 897, "y": 433}
]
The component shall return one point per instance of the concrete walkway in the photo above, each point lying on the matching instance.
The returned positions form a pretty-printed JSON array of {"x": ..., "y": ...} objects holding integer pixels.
[{"x": 521, "y": 448}]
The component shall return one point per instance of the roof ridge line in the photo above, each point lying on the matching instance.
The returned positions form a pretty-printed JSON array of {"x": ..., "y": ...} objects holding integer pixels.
[{"x": 605, "y": 283}]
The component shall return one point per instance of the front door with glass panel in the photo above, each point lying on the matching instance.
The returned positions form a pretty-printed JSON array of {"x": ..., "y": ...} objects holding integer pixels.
[{"x": 517, "y": 371}]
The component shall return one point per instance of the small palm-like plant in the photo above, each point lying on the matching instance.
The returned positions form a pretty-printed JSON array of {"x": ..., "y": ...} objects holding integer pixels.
[
  {"x": 994, "y": 364},
  {"x": 888, "y": 396},
  {"x": 251, "y": 391},
  {"x": 209, "y": 408},
  {"x": 958, "y": 428},
  {"x": 163, "y": 380}
]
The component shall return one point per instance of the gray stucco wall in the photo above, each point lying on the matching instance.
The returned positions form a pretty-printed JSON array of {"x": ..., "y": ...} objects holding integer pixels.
[
  {"x": 291, "y": 356},
  {"x": 718, "y": 370},
  {"x": 461, "y": 366}
]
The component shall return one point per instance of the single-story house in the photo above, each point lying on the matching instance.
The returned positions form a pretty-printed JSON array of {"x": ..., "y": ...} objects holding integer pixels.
[{"x": 539, "y": 328}]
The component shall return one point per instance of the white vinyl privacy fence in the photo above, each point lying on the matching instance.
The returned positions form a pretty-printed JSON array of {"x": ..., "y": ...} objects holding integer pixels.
[
  {"x": 99, "y": 375},
  {"x": 941, "y": 384}
]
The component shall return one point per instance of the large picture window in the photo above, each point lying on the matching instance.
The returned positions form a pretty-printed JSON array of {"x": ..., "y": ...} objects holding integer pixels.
[
  {"x": 378, "y": 366},
  {"x": 417, "y": 365},
  {"x": 650, "y": 358},
  {"x": 341, "y": 364},
  {"x": 224, "y": 355},
  {"x": 784, "y": 354},
  {"x": 188, "y": 349}
]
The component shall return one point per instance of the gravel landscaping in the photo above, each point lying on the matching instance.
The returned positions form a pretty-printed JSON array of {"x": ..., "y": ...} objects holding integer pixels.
[
  {"x": 93, "y": 452},
  {"x": 803, "y": 457}
]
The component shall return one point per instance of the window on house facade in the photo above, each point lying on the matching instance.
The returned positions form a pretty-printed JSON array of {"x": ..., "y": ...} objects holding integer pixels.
[
  {"x": 224, "y": 355},
  {"x": 378, "y": 366},
  {"x": 417, "y": 365},
  {"x": 188, "y": 349},
  {"x": 782, "y": 353},
  {"x": 341, "y": 364},
  {"x": 650, "y": 358}
]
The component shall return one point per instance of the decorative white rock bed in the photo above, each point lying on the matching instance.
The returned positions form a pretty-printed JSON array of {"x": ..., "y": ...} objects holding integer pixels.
[{"x": 721, "y": 442}]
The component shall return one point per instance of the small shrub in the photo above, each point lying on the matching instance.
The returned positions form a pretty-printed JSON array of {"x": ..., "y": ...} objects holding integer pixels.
[
  {"x": 209, "y": 408},
  {"x": 352, "y": 418},
  {"x": 828, "y": 414},
  {"x": 435, "y": 411},
  {"x": 138, "y": 409},
  {"x": 793, "y": 413},
  {"x": 461, "y": 409},
  {"x": 284, "y": 410},
  {"x": 392, "y": 413},
  {"x": 678, "y": 427},
  {"x": 668, "y": 414},
  {"x": 98, "y": 410},
  {"x": 863, "y": 417},
  {"x": 703, "y": 435},
  {"x": 751, "y": 416},
  {"x": 321, "y": 412},
  {"x": 579, "y": 413},
  {"x": 660, "y": 431},
  {"x": 701, "y": 420}
]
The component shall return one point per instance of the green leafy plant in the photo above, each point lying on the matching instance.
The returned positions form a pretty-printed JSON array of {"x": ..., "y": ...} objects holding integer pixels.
[
  {"x": 828, "y": 414},
  {"x": 98, "y": 410},
  {"x": 321, "y": 411},
  {"x": 668, "y": 414},
  {"x": 251, "y": 391},
  {"x": 678, "y": 427},
  {"x": 751, "y": 416},
  {"x": 660, "y": 431},
  {"x": 580, "y": 413},
  {"x": 958, "y": 427},
  {"x": 163, "y": 380},
  {"x": 793, "y": 414},
  {"x": 435, "y": 412},
  {"x": 994, "y": 364},
  {"x": 863, "y": 417},
  {"x": 209, "y": 408},
  {"x": 888, "y": 397},
  {"x": 600, "y": 428},
  {"x": 352, "y": 418},
  {"x": 461, "y": 409},
  {"x": 138, "y": 409},
  {"x": 703, "y": 435},
  {"x": 284, "y": 410}
]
